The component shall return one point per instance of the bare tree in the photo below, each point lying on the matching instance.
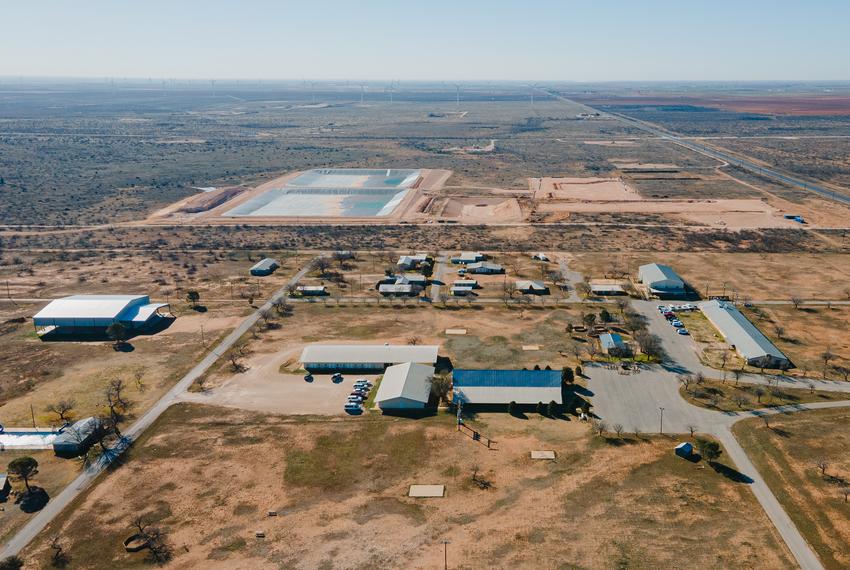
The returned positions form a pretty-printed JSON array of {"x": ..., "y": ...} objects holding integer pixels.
[
  {"x": 414, "y": 340},
  {"x": 759, "y": 392},
  {"x": 138, "y": 376},
  {"x": 618, "y": 429},
  {"x": 685, "y": 380},
  {"x": 738, "y": 373},
  {"x": 62, "y": 408},
  {"x": 796, "y": 301},
  {"x": 779, "y": 330},
  {"x": 116, "y": 402},
  {"x": 843, "y": 371},
  {"x": 154, "y": 538},
  {"x": 60, "y": 558},
  {"x": 822, "y": 465},
  {"x": 692, "y": 430},
  {"x": 846, "y": 492},
  {"x": 826, "y": 357}
]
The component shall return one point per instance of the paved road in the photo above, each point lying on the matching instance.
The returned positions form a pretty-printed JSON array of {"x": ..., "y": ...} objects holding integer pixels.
[
  {"x": 723, "y": 156},
  {"x": 636, "y": 400},
  {"x": 28, "y": 532}
]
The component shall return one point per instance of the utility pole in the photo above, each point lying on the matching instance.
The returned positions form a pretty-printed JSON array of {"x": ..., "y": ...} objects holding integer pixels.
[
  {"x": 32, "y": 413},
  {"x": 202, "y": 337},
  {"x": 661, "y": 427},
  {"x": 445, "y": 555}
]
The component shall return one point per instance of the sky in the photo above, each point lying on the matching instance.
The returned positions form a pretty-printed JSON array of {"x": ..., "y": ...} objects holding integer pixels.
[{"x": 566, "y": 40}]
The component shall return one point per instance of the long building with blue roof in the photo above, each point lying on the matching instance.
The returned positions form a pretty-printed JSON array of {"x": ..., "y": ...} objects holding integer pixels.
[{"x": 505, "y": 386}]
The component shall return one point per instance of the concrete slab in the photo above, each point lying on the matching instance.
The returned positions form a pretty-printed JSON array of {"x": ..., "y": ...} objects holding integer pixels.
[
  {"x": 543, "y": 454},
  {"x": 530, "y": 347},
  {"x": 455, "y": 331},
  {"x": 425, "y": 491}
]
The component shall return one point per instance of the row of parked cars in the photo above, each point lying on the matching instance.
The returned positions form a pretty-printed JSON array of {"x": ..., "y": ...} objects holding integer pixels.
[
  {"x": 359, "y": 393},
  {"x": 669, "y": 312}
]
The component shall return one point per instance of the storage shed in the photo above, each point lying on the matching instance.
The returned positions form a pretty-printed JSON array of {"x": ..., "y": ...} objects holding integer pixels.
[
  {"x": 265, "y": 267},
  {"x": 77, "y": 438},
  {"x": 531, "y": 287}
]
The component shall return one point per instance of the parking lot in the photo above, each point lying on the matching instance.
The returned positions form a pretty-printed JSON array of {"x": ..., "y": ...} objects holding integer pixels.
[{"x": 277, "y": 393}]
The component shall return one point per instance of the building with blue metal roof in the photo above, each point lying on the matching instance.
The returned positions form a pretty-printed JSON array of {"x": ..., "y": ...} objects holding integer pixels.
[{"x": 505, "y": 386}]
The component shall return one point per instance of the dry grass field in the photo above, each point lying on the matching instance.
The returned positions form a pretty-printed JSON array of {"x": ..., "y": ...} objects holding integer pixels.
[
  {"x": 787, "y": 455},
  {"x": 757, "y": 276},
  {"x": 734, "y": 397},
  {"x": 339, "y": 488},
  {"x": 806, "y": 333},
  {"x": 53, "y": 475}
]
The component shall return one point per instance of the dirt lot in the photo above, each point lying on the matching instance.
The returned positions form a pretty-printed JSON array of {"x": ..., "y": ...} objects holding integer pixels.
[
  {"x": 758, "y": 276},
  {"x": 340, "y": 488},
  {"x": 786, "y": 454}
]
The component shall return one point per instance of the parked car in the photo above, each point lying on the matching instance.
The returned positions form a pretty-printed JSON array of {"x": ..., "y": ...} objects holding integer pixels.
[
  {"x": 678, "y": 324},
  {"x": 683, "y": 331},
  {"x": 352, "y": 408},
  {"x": 363, "y": 383},
  {"x": 354, "y": 399},
  {"x": 308, "y": 377}
]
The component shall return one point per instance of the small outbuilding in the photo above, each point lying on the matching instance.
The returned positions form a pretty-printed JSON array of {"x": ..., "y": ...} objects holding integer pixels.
[
  {"x": 662, "y": 281},
  {"x": 77, "y": 438},
  {"x": 312, "y": 290},
  {"x": 397, "y": 290},
  {"x": 408, "y": 262},
  {"x": 531, "y": 287},
  {"x": 265, "y": 267},
  {"x": 607, "y": 289},
  {"x": 485, "y": 268},
  {"x": 467, "y": 257},
  {"x": 405, "y": 387},
  {"x": 613, "y": 345},
  {"x": 684, "y": 450}
]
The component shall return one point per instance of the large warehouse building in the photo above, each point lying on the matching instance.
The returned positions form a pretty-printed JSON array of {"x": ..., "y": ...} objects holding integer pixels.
[
  {"x": 92, "y": 314},
  {"x": 744, "y": 336},
  {"x": 661, "y": 280},
  {"x": 329, "y": 357},
  {"x": 405, "y": 387},
  {"x": 505, "y": 386}
]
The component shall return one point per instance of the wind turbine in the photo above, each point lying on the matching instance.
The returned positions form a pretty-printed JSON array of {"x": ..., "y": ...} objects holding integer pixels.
[
  {"x": 362, "y": 93},
  {"x": 457, "y": 95}
]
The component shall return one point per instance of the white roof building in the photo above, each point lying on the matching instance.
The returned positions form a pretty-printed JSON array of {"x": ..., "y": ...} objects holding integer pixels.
[
  {"x": 484, "y": 267},
  {"x": 97, "y": 311},
  {"x": 405, "y": 386},
  {"x": 395, "y": 289},
  {"x": 468, "y": 257},
  {"x": 365, "y": 356},
  {"x": 661, "y": 279},
  {"x": 531, "y": 286},
  {"x": 744, "y": 336}
]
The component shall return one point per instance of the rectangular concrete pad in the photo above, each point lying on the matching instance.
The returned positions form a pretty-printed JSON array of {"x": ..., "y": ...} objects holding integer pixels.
[
  {"x": 543, "y": 455},
  {"x": 530, "y": 347},
  {"x": 422, "y": 491},
  {"x": 456, "y": 331}
]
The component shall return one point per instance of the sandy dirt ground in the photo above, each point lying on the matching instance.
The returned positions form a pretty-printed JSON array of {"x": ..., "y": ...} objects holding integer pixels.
[
  {"x": 582, "y": 189},
  {"x": 340, "y": 488},
  {"x": 482, "y": 210}
]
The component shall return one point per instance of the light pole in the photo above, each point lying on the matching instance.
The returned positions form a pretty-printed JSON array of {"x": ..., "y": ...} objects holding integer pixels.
[
  {"x": 445, "y": 555},
  {"x": 661, "y": 426}
]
